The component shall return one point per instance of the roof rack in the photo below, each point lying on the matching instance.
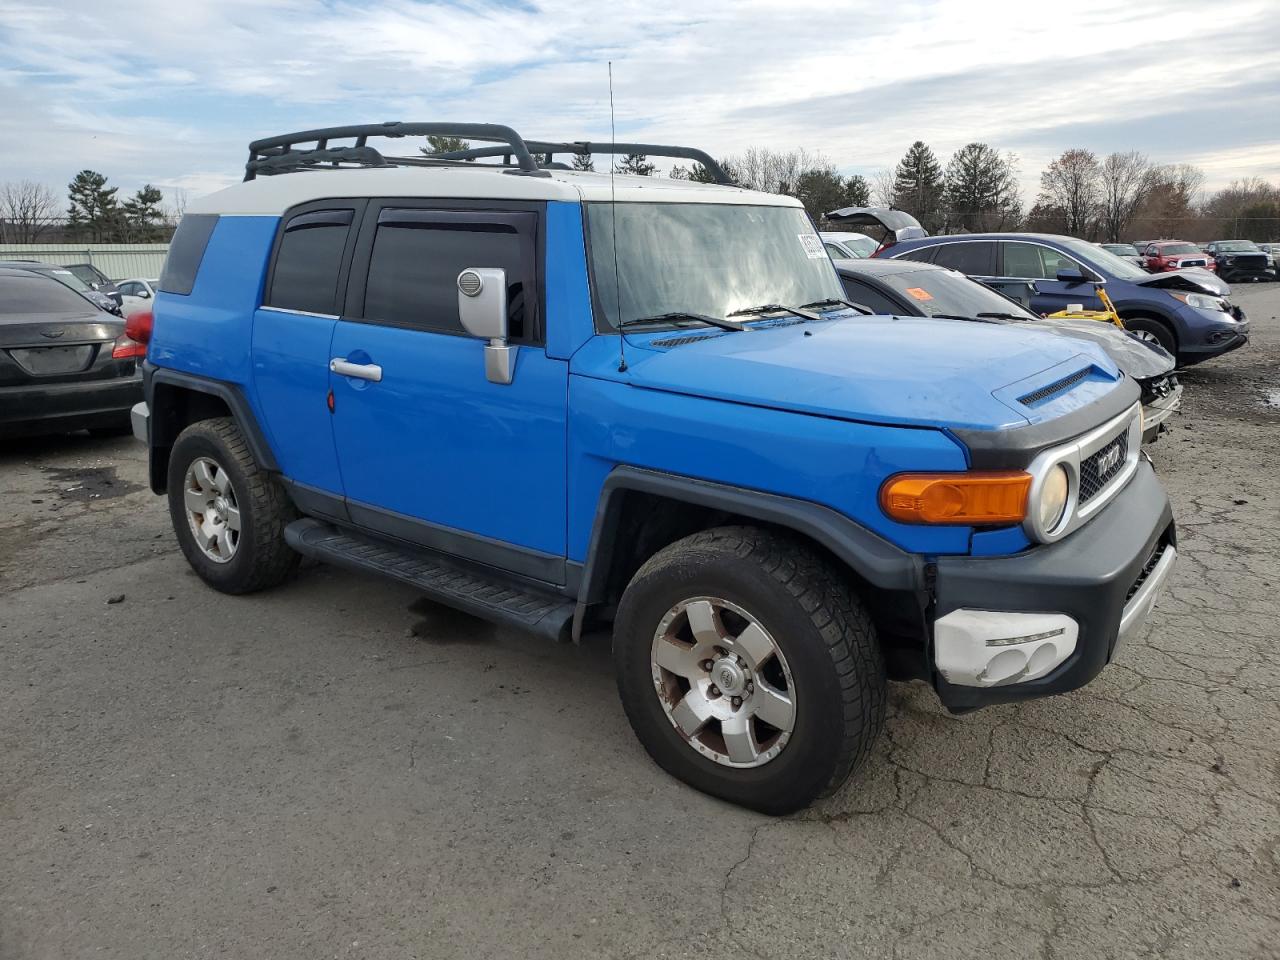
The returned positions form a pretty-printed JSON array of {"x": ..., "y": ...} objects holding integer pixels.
[
  {"x": 279, "y": 154},
  {"x": 547, "y": 150}
]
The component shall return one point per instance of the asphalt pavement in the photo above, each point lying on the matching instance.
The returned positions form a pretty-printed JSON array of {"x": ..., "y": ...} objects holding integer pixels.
[{"x": 337, "y": 768}]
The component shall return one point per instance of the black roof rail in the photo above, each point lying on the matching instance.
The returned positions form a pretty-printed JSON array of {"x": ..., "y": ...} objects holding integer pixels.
[
  {"x": 549, "y": 149},
  {"x": 277, "y": 154}
]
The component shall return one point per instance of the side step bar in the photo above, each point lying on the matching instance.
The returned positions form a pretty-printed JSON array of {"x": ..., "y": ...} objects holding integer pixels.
[{"x": 491, "y": 599}]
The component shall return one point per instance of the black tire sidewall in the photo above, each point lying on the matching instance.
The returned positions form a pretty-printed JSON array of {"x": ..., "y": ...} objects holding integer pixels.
[
  {"x": 195, "y": 442},
  {"x": 806, "y": 764},
  {"x": 1163, "y": 334}
]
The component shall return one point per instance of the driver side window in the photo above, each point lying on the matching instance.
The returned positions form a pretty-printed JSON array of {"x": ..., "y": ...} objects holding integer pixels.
[{"x": 1030, "y": 261}]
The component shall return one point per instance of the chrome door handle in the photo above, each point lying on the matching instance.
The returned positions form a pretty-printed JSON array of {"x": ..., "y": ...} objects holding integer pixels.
[{"x": 361, "y": 371}]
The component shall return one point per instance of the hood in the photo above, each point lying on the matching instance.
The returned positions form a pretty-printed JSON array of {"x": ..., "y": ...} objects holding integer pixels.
[
  {"x": 1137, "y": 358},
  {"x": 895, "y": 370},
  {"x": 1192, "y": 278}
]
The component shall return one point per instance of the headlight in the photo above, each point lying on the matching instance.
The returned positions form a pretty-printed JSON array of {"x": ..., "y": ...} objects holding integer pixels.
[
  {"x": 1202, "y": 301},
  {"x": 1054, "y": 493}
]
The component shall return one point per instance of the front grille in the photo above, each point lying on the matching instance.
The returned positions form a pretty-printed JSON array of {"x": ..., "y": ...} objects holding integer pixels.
[
  {"x": 1194, "y": 263},
  {"x": 1097, "y": 470},
  {"x": 681, "y": 341},
  {"x": 1147, "y": 567},
  {"x": 1044, "y": 393}
]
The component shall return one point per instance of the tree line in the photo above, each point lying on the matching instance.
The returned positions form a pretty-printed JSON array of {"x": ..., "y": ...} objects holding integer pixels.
[
  {"x": 1118, "y": 197},
  {"x": 31, "y": 213}
]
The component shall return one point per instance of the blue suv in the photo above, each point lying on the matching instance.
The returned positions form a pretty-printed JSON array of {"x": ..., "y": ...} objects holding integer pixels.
[
  {"x": 1187, "y": 312},
  {"x": 565, "y": 402}
]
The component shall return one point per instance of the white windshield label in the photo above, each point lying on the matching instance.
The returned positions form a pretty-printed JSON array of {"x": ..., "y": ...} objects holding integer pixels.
[{"x": 812, "y": 244}]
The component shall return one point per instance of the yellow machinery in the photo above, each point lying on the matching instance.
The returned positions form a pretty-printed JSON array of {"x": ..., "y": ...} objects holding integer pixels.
[{"x": 1106, "y": 315}]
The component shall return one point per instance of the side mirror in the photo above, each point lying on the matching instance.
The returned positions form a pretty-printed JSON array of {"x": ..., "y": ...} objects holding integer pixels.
[
  {"x": 1071, "y": 275},
  {"x": 482, "y": 308},
  {"x": 144, "y": 293}
]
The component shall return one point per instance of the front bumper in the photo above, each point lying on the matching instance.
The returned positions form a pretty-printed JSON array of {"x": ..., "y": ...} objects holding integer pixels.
[
  {"x": 1158, "y": 409},
  {"x": 1080, "y": 595}
]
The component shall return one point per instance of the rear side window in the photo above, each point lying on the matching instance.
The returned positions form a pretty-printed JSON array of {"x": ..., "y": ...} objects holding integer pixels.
[
  {"x": 186, "y": 250},
  {"x": 921, "y": 255},
  {"x": 418, "y": 254},
  {"x": 22, "y": 296},
  {"x": 975, "y": 258},
  {"x": 308, "y": 261}
]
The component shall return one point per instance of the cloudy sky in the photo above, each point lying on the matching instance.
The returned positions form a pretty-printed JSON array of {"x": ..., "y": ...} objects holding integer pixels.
[{"x": 171, "y": 91}]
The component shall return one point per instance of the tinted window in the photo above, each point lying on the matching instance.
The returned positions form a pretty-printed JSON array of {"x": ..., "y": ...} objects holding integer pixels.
[
  {"x": 418, "y": 254},
  {"x": 305, "y": 275},
  {"x": 186, "y": 250},
  {"x": 922, "y": 255},
  {"x": 860, "y": 293},
  {"x": 975, "y": 258},
  {"x": 21, "y": 296}
]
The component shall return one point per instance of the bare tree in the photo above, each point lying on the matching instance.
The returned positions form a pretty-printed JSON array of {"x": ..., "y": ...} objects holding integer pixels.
[
  {"x": 882, "y": 186},
  {"x": 1126, "y": 179},
  {"x": 1072, "y": 184},
  {"x": 27, "y": 209},
  {"x": 774, "y": 171}
]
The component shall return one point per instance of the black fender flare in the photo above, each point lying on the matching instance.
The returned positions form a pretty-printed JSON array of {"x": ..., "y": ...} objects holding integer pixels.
[
  {"x": 869, "y": 555},
  {"x": 162, "y": 432}
]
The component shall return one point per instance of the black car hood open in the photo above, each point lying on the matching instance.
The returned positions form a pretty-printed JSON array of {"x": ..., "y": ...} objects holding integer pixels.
[
  {"x": 1193, "y": 279},
  {"x": 896, "y": 224}
]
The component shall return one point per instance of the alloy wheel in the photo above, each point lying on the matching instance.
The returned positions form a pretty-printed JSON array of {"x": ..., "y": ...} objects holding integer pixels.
[{"x": 213, "y": 512}]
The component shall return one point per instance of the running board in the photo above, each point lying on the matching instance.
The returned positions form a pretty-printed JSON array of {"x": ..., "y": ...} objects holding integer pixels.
[{"x": 490, "y": 599}]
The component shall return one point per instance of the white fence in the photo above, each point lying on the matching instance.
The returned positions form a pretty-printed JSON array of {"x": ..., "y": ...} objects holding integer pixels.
[{"x": 119, "y": 261}]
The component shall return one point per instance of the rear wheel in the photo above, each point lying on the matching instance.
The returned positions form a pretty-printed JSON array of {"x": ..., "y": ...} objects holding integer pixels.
[
  {"x": 229, "y": 516},
  {"x": 748, "y": 669},
  {"x": 1153, "y": 331}
]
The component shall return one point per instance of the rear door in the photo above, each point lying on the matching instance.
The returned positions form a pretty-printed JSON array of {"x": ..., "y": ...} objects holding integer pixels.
[
  {"x": 292, "y": 332},
  {"x": 431, "y": 451},
  {"x": 1038, "y": 263}
]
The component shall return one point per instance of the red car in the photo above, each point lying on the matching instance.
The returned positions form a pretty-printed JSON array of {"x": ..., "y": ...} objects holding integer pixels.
[{"x": 1162, "y": 255}]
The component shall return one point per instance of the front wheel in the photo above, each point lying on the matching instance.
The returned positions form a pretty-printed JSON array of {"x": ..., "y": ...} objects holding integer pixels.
[
  {"x": 1152, "y": 331},
  {"x": 748, "y": 669},
  {"x": 229, "y": 516}
]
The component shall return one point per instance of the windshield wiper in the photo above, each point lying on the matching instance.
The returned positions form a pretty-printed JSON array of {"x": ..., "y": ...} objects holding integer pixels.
[
  {"x": 1000, "y": 316},
  {"x": 676, "y": 315},
  {"x": 972, "y": 318},
  {"x": 776, "y": 308},
  {"x": 837, "y": 302}
]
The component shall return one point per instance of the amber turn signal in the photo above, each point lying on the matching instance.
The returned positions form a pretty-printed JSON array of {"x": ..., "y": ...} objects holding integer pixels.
[{"x": 962, "y": 498}]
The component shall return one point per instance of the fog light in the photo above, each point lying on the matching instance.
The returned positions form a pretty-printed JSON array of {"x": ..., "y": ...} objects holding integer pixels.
[{"x": 989, "y": 648}]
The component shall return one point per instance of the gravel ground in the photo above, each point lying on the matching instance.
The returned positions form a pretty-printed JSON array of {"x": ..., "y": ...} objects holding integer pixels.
[{"x": 338, "y": 769}]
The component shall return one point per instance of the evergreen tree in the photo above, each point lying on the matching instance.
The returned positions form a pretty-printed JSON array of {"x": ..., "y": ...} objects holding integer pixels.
[
  {"x": 857, "y": 192},
  {"x": 918, "y": 185},
  {"x": 636, "y": 163},
  {"x": 583, "y": 161},
  {"x": 981, "y": 189},
  {"x": 94, "y": 211},
  {"x": 821, "y": 190},
  {"x": 444, "y": 145},
  {"x": 142, "y": 214}
]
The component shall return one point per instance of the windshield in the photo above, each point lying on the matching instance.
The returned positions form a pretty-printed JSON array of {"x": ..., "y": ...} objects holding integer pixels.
[
  {"x": 704, "y": 258},
  {"x": 935, "y": 291},
  {"x": 1104, "y": 260},
  {"x": 1238, "y": 246},
  {"x": 1179, "y": 248}
]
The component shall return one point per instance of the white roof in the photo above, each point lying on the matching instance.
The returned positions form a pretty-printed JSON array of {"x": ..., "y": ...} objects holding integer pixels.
[{"x": 272, "y": 195}]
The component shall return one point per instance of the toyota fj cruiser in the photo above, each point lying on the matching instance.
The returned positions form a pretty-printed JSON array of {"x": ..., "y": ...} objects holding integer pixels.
[{"x": 560, "y": 401}]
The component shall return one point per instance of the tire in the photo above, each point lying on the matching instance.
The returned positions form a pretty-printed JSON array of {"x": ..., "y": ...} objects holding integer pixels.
[
  {"x": 1149, "y": 328},
  {"x": 235, "y": 489},
  {"x": 826, "y": 661}
]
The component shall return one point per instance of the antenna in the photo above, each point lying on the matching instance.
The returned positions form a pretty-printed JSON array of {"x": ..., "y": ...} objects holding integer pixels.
[{"x": 613, "y": 220}]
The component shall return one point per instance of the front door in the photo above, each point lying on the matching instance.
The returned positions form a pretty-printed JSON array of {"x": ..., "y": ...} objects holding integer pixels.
[
  {"x": 430, "y": 450},
  {"x": 1040, "y": 264}
]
